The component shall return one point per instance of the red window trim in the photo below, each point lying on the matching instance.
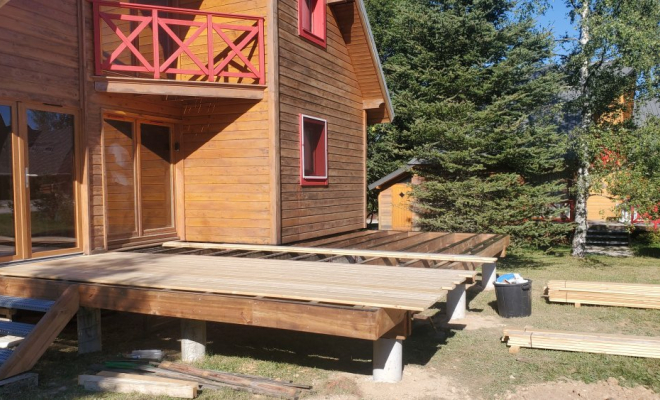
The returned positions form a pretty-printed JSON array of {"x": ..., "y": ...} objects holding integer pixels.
[
  {"x": 318, "y": 32},
  {"x": 312, "y": 181}
]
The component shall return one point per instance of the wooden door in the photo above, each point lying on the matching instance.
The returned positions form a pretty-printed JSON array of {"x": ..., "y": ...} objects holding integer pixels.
[
  {"x": 39, "y": 181},
  {"x": 401, "y": 213}
]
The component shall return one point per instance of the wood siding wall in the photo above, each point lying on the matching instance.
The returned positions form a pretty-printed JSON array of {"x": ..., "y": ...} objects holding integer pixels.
[
  {"x": 39, "y": 56},
  {"x": 321, "y": 83},
  {"x": 226, "y": 171},
  {"x": 226, "y": 157}
]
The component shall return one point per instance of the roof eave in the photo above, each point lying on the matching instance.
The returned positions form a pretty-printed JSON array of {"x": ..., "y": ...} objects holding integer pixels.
[{"x": 376, "y": 59}]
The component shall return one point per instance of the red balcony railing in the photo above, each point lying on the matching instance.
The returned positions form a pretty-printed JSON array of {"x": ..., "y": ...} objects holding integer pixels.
[{"x": 176, "y": 43}]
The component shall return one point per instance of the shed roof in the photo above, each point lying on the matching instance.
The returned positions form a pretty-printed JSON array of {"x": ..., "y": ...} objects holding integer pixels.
[{"x": 395, "y": 176}]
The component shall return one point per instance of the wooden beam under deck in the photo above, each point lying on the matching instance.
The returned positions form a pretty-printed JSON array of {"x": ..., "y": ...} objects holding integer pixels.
[{"x": 353, "y": 322}]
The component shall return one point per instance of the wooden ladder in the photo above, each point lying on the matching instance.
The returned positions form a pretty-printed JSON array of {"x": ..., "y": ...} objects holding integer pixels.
[{"x": 37, "y": 338}]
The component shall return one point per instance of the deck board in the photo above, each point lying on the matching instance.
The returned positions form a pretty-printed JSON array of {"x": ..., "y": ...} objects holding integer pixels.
[{"x": 370, "y": 286}]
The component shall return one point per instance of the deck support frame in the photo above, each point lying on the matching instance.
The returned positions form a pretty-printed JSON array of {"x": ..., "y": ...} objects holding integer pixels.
[
  {"x": 388, "y": 360},
  {"x": 456, "y": 303},
  {"x": 345, "y": 321},
  {"x": 488, "y": 276},
  {"x": 89, "y": 330},
  {"x": 193, "y": 340}
]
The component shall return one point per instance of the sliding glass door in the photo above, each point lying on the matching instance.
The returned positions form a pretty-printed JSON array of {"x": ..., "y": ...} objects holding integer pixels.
[
  {"x": 138, "y": 178},
  {"x": 39, "y": 182}
]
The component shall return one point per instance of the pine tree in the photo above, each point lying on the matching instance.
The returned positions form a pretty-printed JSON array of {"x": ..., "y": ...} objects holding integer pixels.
[{"x": 476, "y": 96}]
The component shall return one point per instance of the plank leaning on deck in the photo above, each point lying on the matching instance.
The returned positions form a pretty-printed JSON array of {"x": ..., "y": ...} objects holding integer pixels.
[{"x": 338, "y": 252}]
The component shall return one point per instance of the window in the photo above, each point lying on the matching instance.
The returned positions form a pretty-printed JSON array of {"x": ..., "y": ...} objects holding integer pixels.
[
  {"x": 311, "y": 21},
  {"x": 313, "y": 151}
]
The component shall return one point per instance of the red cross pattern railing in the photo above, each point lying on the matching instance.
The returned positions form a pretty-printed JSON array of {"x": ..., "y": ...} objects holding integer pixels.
[{"x": 178, "y": 43}]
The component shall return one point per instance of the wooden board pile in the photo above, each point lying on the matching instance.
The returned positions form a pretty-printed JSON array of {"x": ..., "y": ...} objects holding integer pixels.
[
  {"x": 623, "y": 345},
  {"x": 180, "y": 380},
  {"x": 634, "y": 295}
]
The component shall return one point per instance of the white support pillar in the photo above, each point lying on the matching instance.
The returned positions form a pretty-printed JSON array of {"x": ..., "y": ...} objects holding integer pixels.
[
  {"x": 388, "y": 360},
  {"x": 89, "y": 330},
  {"x": 193, "y": 340},
  {"x": 488, "y": 276},
  {"x": 456, "y": 302}
]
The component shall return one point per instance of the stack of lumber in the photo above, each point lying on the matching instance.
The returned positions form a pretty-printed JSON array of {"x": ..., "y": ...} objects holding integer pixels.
[
  {"x": 180, "y": 380},
  {"x": 622, "y": 345},
  {"x": 634, "y": 295}
]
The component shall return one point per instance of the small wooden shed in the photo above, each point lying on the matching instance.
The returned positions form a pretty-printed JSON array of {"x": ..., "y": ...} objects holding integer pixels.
[{"x": 394, "y": 205}]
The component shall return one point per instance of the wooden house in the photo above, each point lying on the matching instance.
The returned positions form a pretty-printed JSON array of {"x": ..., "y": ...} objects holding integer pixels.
[
  {"x": 201, "y": 120},
  {"x": 124, "y": 125}
]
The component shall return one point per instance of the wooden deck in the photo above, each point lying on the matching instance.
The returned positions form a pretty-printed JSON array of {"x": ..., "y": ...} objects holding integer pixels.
[{"x": 386, "y": 287}]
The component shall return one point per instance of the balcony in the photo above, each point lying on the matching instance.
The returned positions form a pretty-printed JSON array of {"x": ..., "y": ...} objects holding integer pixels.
[{"x": 144, "y": 49}]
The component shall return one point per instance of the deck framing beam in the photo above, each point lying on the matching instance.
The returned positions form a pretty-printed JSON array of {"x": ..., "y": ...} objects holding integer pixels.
[{"x": 353, "y": 322}]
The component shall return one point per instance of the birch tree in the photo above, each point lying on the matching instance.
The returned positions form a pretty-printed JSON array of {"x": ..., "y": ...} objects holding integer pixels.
[{"x": 616, "y": 54}]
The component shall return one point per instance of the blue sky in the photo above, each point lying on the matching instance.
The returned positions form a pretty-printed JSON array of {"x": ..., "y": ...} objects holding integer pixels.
[{"x": 556, "y": 17}]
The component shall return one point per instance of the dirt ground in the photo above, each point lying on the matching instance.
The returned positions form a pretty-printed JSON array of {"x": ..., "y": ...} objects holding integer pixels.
[
  {"x": 423, "y": 384},
  {"x": 426, "y": 383}
]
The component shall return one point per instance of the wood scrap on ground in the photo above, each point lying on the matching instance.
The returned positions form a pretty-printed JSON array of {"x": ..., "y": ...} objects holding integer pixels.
[
  {"x": 203, "y": 379},
  {"x": 152, "y": 355},
  {"x": 133, "y": 383},
  {"x": 634, "y": 295},
  {"x": 623, "y": 345}
]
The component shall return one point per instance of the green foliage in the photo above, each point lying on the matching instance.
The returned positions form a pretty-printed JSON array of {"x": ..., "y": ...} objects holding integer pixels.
[
  {"x": 628, "y": 160},
  {"x": 475, "y": 94}
]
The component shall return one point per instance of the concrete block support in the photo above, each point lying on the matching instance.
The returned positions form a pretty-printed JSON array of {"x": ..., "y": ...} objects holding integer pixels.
[
  {"x": 89, "y": 330},
  {"x": 488, "y": 276},
  {"x": 456, "y": 302},
  {"x": 193, "y": 340},
  {"x": 388, "y": 360}
]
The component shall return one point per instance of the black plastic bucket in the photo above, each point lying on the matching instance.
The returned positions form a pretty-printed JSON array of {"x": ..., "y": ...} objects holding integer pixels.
[{"x": 514, "y": 300}]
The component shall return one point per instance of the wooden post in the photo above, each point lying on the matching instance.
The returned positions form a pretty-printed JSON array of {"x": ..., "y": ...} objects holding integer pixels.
[
  {"x": 89, "y": 330},
  {"x": 456, "y": 303},
  {"x": 488, "y": 276},
  {"x": 388, "y": 360},
  {"x": 193, "y": 340}
]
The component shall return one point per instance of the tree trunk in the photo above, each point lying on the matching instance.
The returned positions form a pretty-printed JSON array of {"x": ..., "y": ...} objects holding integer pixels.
[
  {"x": 583, "y": 186},
  {"x": 580, "y": 236}
]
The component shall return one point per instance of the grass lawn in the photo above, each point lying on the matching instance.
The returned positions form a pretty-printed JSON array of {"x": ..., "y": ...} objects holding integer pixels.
[{"x": 475, "y": 359}]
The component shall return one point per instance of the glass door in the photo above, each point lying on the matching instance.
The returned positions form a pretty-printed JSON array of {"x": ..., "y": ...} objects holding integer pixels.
[
  {"x": 39, "y": 184},
  {"x": 50, "y": 172},
  {"x": 139, "y": 184},
  {"x": 155, "y": 176},
  {"x": 8, "y": 137}
]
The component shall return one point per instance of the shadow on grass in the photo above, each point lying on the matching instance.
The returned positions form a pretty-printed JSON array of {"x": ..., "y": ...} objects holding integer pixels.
[{"x": 642, "y": 250}]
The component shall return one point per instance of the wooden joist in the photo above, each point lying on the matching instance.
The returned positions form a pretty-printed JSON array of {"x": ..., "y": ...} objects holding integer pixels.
[
  {"x": 634, "y": 295},
  {"x": 336, "y": 252},
  {"x": 623, "y": 345}
]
